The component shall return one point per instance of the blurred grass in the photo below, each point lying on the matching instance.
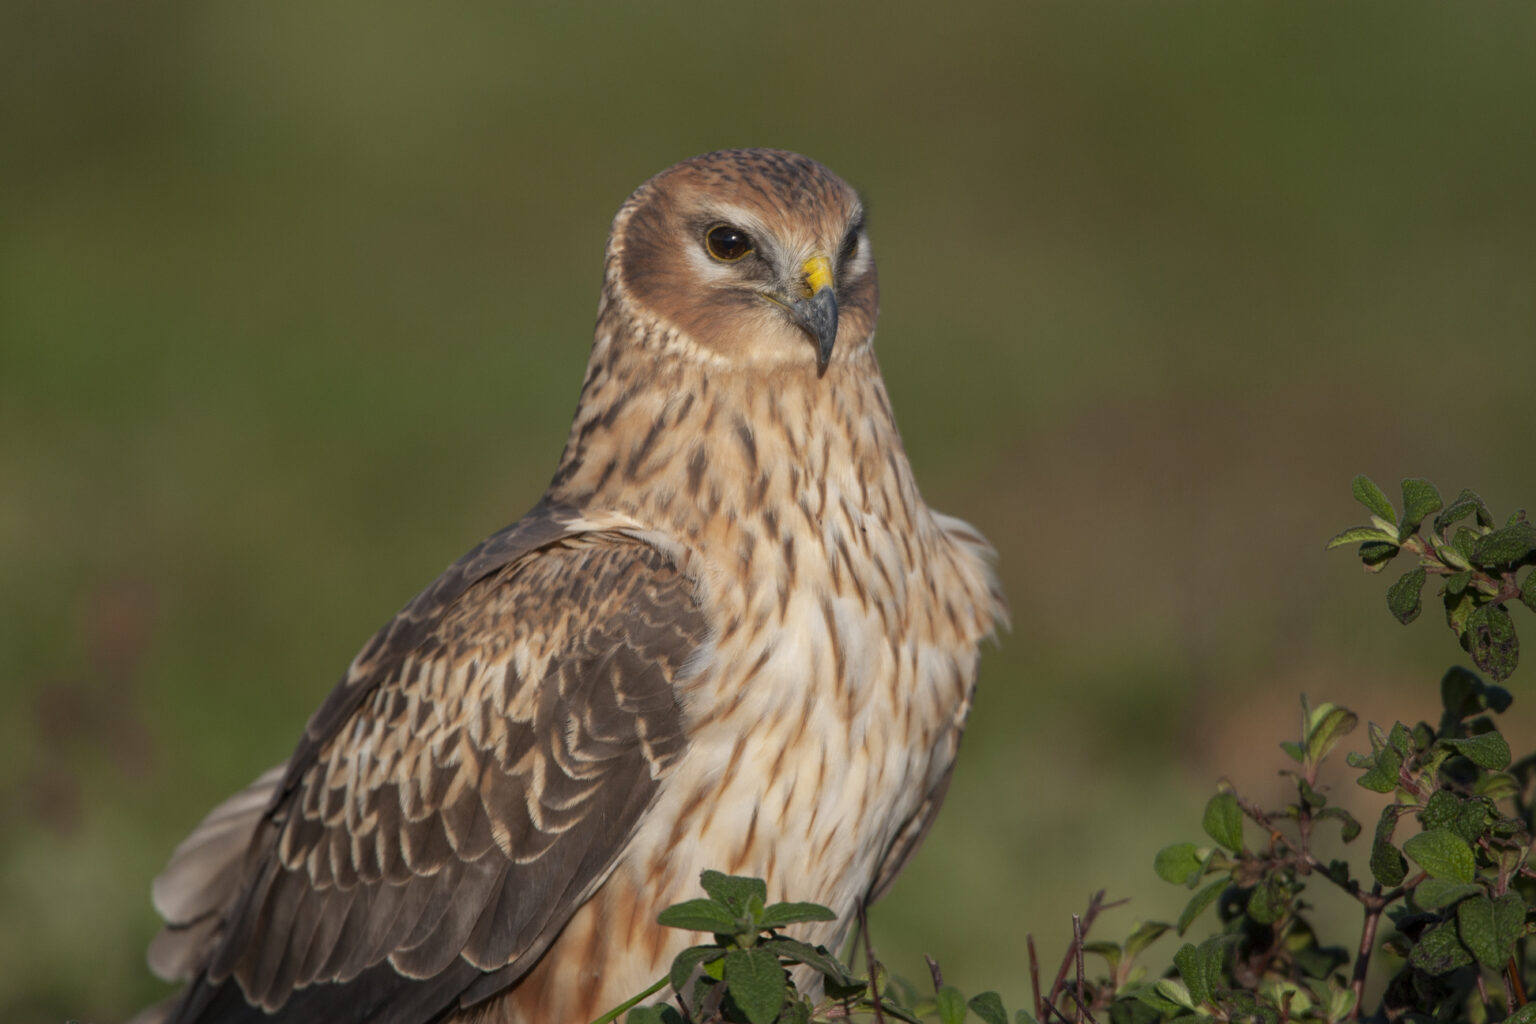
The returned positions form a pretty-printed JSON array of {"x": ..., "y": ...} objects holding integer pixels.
[{"x": 294, "y": 304}]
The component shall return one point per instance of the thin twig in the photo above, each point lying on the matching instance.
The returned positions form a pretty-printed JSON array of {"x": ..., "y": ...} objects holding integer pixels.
[
  {"x": 1077, "y": 944},
  {"x": 1513, "y": 985},
  {"x": 1034, "y": 978},
  {"x": 1095, "y": 904},
  {"x": 1373, "y": 908},
  {"x": 870, "y": 962},
  {"x": 933, "y": 969}
]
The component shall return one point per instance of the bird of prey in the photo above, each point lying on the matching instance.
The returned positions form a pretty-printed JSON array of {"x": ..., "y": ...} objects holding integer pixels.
[{"x": 730, "y": 635}]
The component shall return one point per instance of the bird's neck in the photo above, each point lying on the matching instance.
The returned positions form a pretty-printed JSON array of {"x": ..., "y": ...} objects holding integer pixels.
[{"x": 735, "y": 459}]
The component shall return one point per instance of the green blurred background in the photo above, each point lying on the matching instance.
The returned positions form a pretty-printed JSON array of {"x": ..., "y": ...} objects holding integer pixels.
[{"x": 295, "y": 300}]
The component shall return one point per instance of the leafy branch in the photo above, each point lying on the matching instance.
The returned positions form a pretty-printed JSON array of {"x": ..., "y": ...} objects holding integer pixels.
[{"x": 1478, "y": 562}]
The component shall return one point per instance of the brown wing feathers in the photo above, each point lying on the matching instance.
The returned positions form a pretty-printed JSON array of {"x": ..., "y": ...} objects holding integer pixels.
[{"x": 501, "y": 738}]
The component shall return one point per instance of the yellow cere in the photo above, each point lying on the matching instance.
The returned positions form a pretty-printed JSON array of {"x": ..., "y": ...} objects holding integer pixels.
[{"x": 818, "y": 273}]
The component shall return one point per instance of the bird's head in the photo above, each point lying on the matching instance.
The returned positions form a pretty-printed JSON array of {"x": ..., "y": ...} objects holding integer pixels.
[{"x": 755, "y": 257}]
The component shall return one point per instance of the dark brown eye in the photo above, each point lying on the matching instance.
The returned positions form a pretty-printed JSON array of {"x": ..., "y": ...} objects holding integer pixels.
[{"x": 727, "y": 243}]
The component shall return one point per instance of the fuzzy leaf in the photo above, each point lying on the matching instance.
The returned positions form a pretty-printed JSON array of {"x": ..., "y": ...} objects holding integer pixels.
[
  {"x": 1525, "y": 1015},
  {"x": 1434, "y": 893},
  {"x": 1403, "y": 597},
  {"x": 1489, "y": 928},
  {"x": 1443, "y": 854},
  {"x": 951, "y": 1005},
  {"x": 1224, "y": 821},
  {"x": 1486, "y": 751},
  {"x": 989, "y": 1007},
  {"x": 1175, "y": 991},
  {"x": 1369, "y": 495},
  {"x": 815, "y": 957},
  {"x": 1329, "y": 725},
  {"x": 1383, "y": 774},
  {"x": 1510, "y": 545},
  {"x": 1188, "y": 961},
  {"x": 757, "y": 983},
  {"x": 1359, "y": 534},
  {"x": 1202, "y": 899},
  {"x": 1375, "y": 555},
  {"x": 1466, "y": 503},
  {"x": 1489, "y": 636},
  {"x": 1145, "y": 934},
  {"x": 699, "y": 915},
  {"x": 781, "y": 914},
  {"x": 1439, "y": 951},
  {"x": 1268, "y": 900},
  {"x": 1419, "y": 500},
  {"x": 1387, "y": 864},
  {"x": 684, "y": 963},
  {"x": 1349, "y": 828},
  {"x": 660, "y": 1013},
  {"x": 1177, "y": 864},
  {"x": 735, "y": 891}
]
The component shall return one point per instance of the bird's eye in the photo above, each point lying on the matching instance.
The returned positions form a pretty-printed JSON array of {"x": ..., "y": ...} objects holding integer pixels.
[{"x": 727, "y": 243}]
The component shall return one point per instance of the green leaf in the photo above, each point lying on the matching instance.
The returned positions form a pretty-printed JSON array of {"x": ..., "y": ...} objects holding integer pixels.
[
  {"x": 1110, "y": 951},
  {"x": 1490, "y": 638},
  {"x": 660, "y": 1013},
  {"x": 781, "y": 914},
  {"x": 1489, "y": 928},
  {"x": 1145, "y": 934},
  {"x": 699, "y": 915},
  {"x": 1456, "y": 583},
  {"x": 1368, "y": 534},
  {"x": 1200, "y": 967},
  {"x": 1508, "y": 546},
  {"x": 1528, "y": 592},
  {"x": 1419, "y": 500},
  {"x": 1404, "y": 596},
  {"x": 1525, "y": 1015},
  {"x": 1384, "y": 769},
  {"x": 1461, "y": 694},
  {"x": 1387, "y": 864},
  {"x": 1341, "y": 1003},
  {"x": 1224, "y": 821},
  {"x": 1439, "y": 951},
  {"x": 1486, "y": 751},
  {"x": 684, "y": 963},
  {"x": 1369, "y": 495},
  {"x": 1293, "y": 751},
  {"x": 815, "y": 957},
  {"x": 1178, "y": 864},
  {"x": 1349, "y": 827},
  {"x": 1440, "y": 810},
  {"x": 756, "y": 982},
  {"x": 1375, "y": 555},
  {"x": 1443, "y": 854},
  {"x": 1459, "y": 609},
  {"x": 989, "y": 1007},
  {"x": 1187, "y": 960},
  {"x": 1268, "y": 900},
  {"x": 1497, "y": 786},
  {"x": 1176, "y": 992},
  {"x": 1434, "y": 893},
  {"x": 735, "y": 891},
  {"x": 1466, "y": 503},
  {"x": 951, "y": 1005},
  {"x": 1202, "y": 899},
  {"x": 1329, "y": 725}
]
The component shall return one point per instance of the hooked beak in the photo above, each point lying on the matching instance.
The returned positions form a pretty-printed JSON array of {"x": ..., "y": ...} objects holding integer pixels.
[{"x": 816, "y": 311}]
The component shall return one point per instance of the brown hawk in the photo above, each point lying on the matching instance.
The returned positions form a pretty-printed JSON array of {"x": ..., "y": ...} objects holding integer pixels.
[{"x": 730, "y": 636}]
